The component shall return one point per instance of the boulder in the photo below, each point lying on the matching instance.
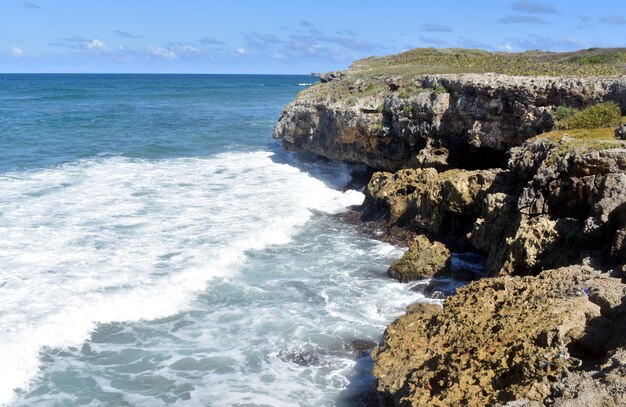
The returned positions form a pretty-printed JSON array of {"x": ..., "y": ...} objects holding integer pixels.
[{"x": 423, "y": 259}]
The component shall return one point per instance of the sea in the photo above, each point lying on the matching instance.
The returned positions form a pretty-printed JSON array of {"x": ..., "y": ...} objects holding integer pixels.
[{"x": 157, "y": 247}]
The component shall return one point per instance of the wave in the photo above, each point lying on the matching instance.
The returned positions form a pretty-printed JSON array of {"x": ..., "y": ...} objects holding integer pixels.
[{"x": 115, "y": 239}]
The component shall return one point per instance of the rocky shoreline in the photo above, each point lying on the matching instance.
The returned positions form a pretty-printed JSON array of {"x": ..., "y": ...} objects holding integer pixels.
[{"x": 461, "y": 165}]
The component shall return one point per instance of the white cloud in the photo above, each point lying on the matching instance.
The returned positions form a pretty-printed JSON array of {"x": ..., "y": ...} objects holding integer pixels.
[
  {"x": 162, "y": 52},
  {"x": 97, "y": 44},
  {"x": 16, "y": 52},
  {"x": 189, "y": 48},
  {"x": 505, "y": 47},
  {"x": 240, "y": 51}
]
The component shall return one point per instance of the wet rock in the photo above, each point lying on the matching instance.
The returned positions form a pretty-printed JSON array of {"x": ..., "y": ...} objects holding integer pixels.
[
  {"x": 423, "y": 259},
  {"x": 436, "y": 289},
  {"x": 362, "y": 347},
  {"x": 300, "y": 357}
]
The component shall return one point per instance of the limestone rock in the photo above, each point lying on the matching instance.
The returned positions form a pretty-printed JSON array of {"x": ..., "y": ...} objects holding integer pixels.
[
  {"x": 564, "y": 200},
  {"x": 423, "y": 259},
  {"x": 495, "y": 340},
  {"x": 472, "y": 123},
  {"x": 533, "y": 237},
  {"x": 428, "y": 199}
]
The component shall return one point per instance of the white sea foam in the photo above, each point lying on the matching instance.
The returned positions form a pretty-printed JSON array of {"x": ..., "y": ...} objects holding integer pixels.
[{"x": 117, "y": 239}]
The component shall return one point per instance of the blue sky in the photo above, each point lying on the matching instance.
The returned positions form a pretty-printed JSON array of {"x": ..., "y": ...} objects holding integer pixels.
[{"x": 237, "y": 36}]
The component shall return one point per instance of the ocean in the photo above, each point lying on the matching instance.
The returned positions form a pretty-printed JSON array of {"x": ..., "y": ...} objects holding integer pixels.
[{"x": 157, "y": 247}]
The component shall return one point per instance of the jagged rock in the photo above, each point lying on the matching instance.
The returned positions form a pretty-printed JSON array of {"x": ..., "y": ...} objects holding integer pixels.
[
  {"x": 428, "y": 199},
  {"x": 603, "y": 387},
  {"x": 564, "y": 199},
  {"x": 495, "y": 340},
  {"x": 331, "y": 76},
  {"x": 620, "y": 132},
  {"x": 533, "y": 237},
  {"x": 476, "y": 119},
  {"x": 423, "y": 259},
  {"x": 618, "y": 246}
]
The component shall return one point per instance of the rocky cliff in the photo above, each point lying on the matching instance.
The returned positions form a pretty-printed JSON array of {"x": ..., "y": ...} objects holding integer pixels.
[
  {"x": 471, "y": 162},
  {"x": 438, "y": 121}
]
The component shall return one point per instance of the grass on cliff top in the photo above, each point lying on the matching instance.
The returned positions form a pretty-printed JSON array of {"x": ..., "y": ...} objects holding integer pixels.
[
  {"x": 600, "y": 115},
  {"x": 588, "y": 62},
  {"x": 587, "y": 139},
  {"x": 373, "y": 71}
]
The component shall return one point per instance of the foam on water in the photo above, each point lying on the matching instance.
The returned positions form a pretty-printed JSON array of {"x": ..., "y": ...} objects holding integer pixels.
[{"x": 113, "y": 239}]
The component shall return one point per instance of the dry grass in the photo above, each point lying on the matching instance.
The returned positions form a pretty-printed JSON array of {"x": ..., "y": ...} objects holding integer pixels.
[
  {"x": 372, "y": 72},
  {"x": 587, "y": 139},
  {"x": 589, "y": 62}
]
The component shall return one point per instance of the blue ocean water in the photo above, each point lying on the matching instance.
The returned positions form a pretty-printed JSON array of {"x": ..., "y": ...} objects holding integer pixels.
[{"x": 157, "y": 247}]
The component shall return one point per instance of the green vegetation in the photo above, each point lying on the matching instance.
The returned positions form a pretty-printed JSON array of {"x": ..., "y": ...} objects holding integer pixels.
[
  {"x": 406, "y": 91},
  {"x": 597, "y": 116},
  {"x": 589, "y": 62},
  {"x": 582, "y": 134},
  {"x": 368, "y": 78},
  {"x": 585, "y": 139},
  {"x": 582, "y": 140},
  {"x": 563, "y": 112}
]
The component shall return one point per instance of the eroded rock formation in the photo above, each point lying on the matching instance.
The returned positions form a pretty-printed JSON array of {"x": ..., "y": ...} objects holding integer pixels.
[
  {"x": 465, "y": 120},
  {"x": 461, "y": 165},
  {"x": 504, "y": 339}
]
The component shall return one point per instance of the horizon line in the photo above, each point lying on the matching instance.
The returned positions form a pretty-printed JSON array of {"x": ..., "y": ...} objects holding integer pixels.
[{"x": 154, "y": 73}]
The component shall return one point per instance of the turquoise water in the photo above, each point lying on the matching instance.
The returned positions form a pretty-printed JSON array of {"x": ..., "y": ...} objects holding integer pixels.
[{"x": 159, "y": 248}]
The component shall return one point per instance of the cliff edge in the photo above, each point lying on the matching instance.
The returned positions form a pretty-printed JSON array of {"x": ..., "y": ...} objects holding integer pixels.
[{"x": 519, "y": 158}]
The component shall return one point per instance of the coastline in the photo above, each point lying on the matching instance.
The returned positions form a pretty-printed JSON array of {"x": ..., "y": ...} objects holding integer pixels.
[{"x": 463, "y": 165}]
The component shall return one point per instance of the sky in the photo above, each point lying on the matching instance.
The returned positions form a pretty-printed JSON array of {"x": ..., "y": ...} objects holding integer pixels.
[{"x": 237, "y": 36}]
